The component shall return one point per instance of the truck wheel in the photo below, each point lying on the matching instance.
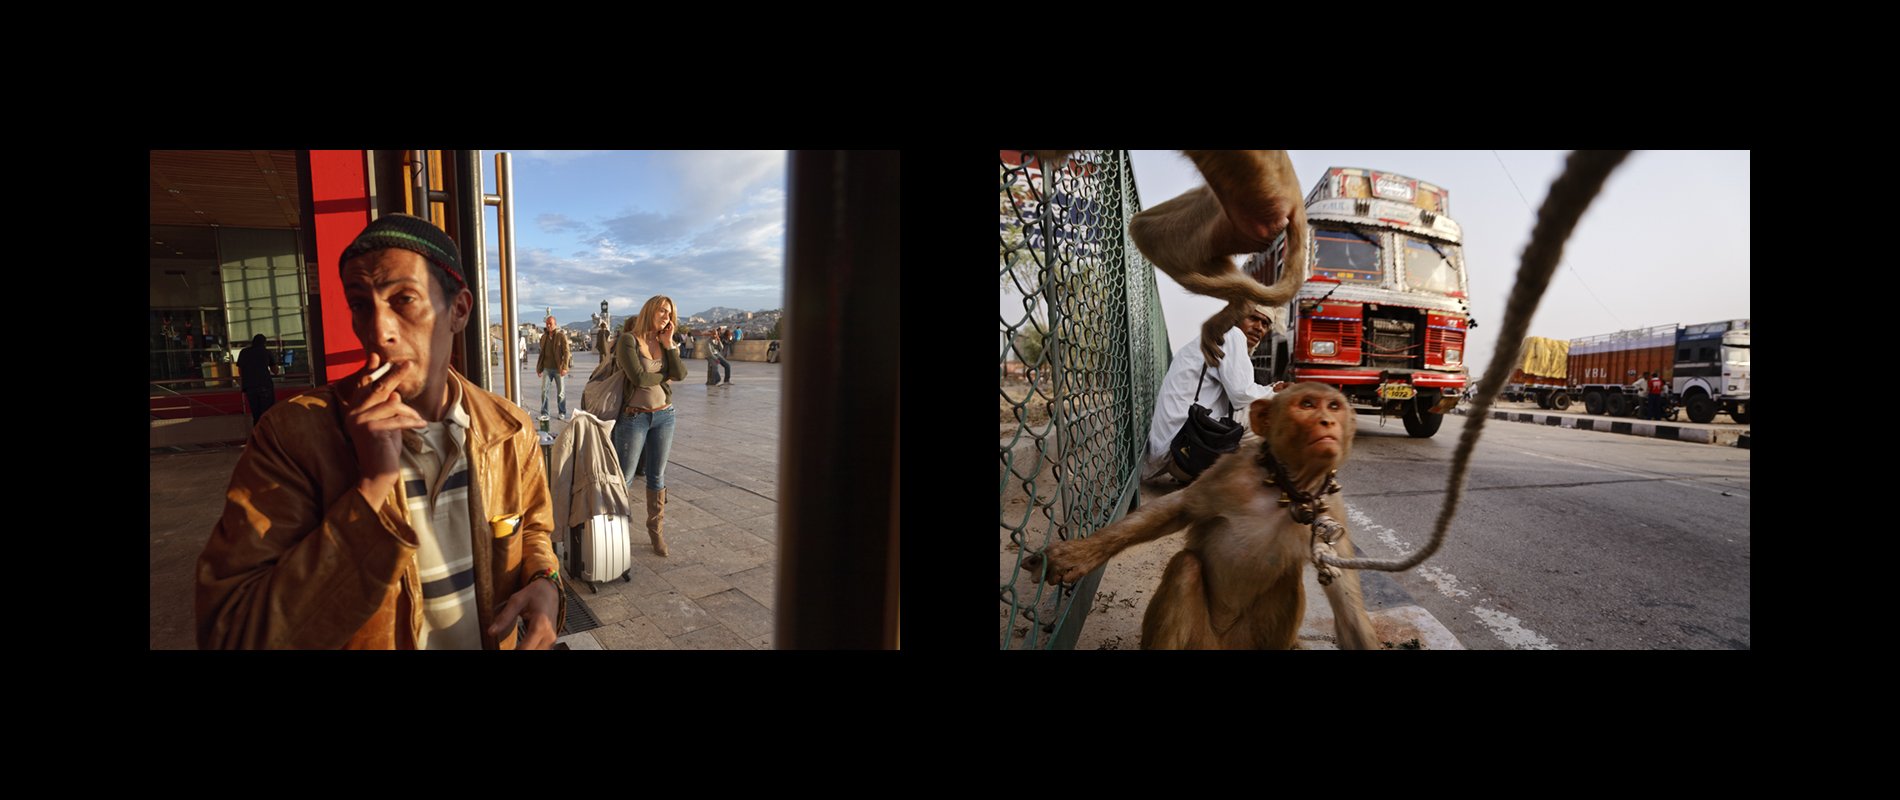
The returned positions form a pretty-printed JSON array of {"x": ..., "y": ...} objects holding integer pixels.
[
  {"x": 1619, "y": 405},
  {"x": 1543, "y": 400},
  {"x": 1421, "y": 424},
  {"x": 1701, "y": 408},
  {"x": 1593, "y": 402},
  {"x": 1559, "y": 401}
]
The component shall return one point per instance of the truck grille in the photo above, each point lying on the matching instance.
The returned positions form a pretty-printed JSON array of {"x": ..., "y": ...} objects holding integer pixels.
[{"x": 1392, "y": 344}]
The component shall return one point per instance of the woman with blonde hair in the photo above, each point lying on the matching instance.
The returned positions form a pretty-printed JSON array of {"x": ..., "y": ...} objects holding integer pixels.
[{"x": 644, "y": 429}]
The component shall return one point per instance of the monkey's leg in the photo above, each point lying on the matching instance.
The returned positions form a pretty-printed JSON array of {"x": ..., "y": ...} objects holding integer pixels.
[
  {"x": 1257, "y": 192},
  {"x": 1177, "y": 617},
  {"x": 1350, "y": 622},
  {"x": 1273, "y": 618}
]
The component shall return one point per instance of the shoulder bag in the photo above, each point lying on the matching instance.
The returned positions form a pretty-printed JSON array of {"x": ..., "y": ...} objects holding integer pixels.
[{"x": 1203, "y": 438}]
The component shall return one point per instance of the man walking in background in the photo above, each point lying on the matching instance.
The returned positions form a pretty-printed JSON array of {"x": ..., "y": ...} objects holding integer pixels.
[{"x": 552, "y": 367}]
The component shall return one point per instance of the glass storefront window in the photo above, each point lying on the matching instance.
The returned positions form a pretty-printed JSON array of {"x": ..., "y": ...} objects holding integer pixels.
[{"x": 215, "y": 288}]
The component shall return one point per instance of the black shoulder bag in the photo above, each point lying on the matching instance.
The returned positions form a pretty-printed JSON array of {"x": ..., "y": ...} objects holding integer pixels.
[{"x": 1203, "y": 438}]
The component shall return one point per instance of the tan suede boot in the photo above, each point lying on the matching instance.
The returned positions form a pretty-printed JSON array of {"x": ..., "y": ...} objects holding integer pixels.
[{"x": 656, "y": 517}]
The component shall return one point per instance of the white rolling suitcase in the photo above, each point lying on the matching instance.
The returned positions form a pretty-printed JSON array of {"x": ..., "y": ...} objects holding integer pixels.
[{"x": 604, "y": 549}]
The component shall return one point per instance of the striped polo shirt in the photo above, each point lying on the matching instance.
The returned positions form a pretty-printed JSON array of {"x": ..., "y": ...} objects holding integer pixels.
[{"x": 435, "y": 479}]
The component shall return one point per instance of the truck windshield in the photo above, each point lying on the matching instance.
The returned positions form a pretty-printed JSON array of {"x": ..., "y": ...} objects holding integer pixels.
[
  {"x": 1347, "y": 256},
  {"x": 1428, "y": 267},
  {"x": 1735, "y": 355}
]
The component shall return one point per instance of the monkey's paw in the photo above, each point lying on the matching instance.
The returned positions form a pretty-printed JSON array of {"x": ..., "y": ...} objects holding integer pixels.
[{"x": 1068, "y": 562}]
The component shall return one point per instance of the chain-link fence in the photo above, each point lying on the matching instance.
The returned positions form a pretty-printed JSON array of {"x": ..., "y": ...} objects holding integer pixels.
[{"x": 1082, "y": 360}]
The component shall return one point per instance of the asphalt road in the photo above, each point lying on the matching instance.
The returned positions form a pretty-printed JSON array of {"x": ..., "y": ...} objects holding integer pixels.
[{"x": 1565, "y": 539}]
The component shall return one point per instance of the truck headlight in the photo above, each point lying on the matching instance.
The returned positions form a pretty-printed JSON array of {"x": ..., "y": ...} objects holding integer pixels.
[
  {"x": 1453, "y": 355},
  {"x": 1325, "y": 348}
]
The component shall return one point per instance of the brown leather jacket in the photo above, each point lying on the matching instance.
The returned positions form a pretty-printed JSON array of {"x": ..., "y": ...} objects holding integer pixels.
[{"x": 301, "y": 560}]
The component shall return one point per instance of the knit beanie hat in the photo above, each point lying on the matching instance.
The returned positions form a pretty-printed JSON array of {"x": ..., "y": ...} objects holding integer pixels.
[{"x": 409, "y": 233}]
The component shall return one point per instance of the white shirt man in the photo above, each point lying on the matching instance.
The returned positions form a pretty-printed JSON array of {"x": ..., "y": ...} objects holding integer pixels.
[{"x": 1226, "y": 390}]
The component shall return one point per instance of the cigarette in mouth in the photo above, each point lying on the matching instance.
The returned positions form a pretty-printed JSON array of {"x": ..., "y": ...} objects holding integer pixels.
[{"x": 381, "y": 371}]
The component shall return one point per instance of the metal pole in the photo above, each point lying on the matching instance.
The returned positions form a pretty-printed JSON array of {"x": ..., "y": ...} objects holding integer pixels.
[
  {"x": 1051, "y": 284},
  {"x": 419, "y": 193},
  {"x": 504, "y": 200},
  {"x": 471, "y": 210},
  {"x": 838, "y": 430}
]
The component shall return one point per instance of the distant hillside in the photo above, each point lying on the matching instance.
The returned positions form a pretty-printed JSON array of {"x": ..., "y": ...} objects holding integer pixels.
[{"x": 717, "y": 312}]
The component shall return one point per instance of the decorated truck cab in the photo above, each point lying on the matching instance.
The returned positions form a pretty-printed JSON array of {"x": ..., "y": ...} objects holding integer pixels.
[{"x": 1383, "y": 313}]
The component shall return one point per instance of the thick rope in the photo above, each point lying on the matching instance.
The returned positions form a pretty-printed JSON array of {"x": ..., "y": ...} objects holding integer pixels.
[{"x": 1569, "y": 197}]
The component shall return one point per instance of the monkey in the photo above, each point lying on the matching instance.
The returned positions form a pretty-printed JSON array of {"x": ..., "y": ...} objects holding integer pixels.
[
  {"x": 1250, "y": 197},
  {"x": 1237, "y": 582}
]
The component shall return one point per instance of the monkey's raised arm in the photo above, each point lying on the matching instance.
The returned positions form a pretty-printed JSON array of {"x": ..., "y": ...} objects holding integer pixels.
[{"x": 1070, "y": 560}]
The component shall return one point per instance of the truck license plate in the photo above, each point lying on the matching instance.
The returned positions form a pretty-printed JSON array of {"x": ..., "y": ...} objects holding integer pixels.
[{"x": 1395, "y": 391}]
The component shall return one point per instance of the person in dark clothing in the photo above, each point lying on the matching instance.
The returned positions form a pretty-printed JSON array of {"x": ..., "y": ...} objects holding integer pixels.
[{"x": 255, "y": 363}]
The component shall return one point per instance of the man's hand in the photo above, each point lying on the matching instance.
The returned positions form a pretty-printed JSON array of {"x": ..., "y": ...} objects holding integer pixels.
[
  {"x": 375, "y": 417},
  {"x": 563, "y": 373},
  {"x": 537, "y": 603}
]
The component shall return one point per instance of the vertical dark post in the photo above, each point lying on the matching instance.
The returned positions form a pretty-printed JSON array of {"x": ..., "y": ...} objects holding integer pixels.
[
  {"x": 464, "y": 210},
  {"x": 838, "y": 479}
]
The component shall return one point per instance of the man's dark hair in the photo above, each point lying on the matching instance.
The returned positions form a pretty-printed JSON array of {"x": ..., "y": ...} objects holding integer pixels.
[{"x": 258, "y": 340}]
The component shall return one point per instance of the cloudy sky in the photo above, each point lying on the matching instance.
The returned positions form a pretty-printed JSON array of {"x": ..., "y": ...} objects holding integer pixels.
[{"x": 706, "y": 228}]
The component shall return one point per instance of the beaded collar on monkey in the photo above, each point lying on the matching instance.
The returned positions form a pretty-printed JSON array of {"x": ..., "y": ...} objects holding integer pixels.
[{"x": 1307, "y": 508}]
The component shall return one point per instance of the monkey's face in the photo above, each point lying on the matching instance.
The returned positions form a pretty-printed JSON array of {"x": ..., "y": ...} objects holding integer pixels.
[{"x": 1307, "y": 422}]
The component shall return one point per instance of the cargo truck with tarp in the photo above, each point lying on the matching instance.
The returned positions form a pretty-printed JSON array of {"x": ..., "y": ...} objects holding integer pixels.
[
  {"x": 1542, "y": 366},
  {"x": 1384, "y": 309}
]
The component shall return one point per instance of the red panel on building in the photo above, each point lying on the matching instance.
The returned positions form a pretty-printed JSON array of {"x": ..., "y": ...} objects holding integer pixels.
[{"x": 339, "y": 188}]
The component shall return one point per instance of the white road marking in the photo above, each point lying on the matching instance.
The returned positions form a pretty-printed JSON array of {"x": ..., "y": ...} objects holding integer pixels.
[
  {"x": 1507, "y": 628},
  {"x": 1446, "y": 582},
  {"x": 1387, "y": 536},
  {"x": 1510, "y": 631}
]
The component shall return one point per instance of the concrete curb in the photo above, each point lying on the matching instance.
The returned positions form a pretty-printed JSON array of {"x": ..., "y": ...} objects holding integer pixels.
[{"x": 1657, "y": 430}]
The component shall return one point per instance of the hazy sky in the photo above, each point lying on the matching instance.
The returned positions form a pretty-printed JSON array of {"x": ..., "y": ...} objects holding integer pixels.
[
  {"x": 706, "y": 228},
  {"x": 1665, "y": 242}
]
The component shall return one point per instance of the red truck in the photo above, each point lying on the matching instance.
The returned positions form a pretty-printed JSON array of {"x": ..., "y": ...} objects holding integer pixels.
[{"x": 1384, "y": 310}]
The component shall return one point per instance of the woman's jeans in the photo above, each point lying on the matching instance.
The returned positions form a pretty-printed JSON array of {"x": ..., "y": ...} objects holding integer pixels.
[{"x": 648, "y": 435}]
